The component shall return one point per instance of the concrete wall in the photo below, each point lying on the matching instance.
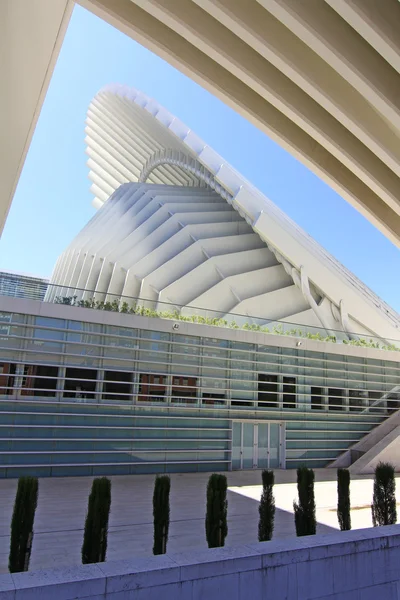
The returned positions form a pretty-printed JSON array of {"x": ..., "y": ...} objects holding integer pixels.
[
  {"x": 380, "y": 444},
  {"x": 341, "y": 566},
  {"x": 386, "y": 450}
]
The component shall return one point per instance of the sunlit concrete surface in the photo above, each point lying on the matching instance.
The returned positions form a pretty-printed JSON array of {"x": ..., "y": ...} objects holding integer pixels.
[
  {"x": 361, "y": 492},
  {"x": 31, "y": 35},
  {"x": 63, "y": 501}
]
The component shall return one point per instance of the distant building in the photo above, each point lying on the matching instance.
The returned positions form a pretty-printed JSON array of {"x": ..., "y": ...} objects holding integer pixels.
[{"x": 20, "y": 285}]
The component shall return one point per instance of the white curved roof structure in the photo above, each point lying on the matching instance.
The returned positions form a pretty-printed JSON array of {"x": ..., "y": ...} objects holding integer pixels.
[{"x": 178, "y": 224}]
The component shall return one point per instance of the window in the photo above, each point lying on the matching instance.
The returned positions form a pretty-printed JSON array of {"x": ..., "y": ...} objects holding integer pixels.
[
  {"x": 393, "y": 402},
  {"x": 375, "y": 403},
  {"x": 117, "y": 385},
  {"x": 289, "y": 392},
  {"x": 184, "y": 390},
  {"x": 243, "y": 402},
  {"x": 7, "y": 375},
  {"x": 188, "y": 348},
  {"x": 50, "y": 322},
  {"x": 152, "y": 388},
  {"x": 111, "y": 329},
  {"x": 80, "y": 383},
  {"x": 213, "y": 399},
  {"x": 335, "y": 399},
  {"x": 82, "y": 333},
  {"x": 27, "y": 371},
  {"x": 39, "y": 380},
  {"x": 317, "y": 399},
  {"x": 357, "y": 399},
  {"x": 154, "y": 335},
  {"x": 268, "y": 390}
]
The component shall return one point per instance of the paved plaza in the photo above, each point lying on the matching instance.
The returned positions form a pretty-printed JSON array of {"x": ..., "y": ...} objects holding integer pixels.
[{"x": 62, "y": 507}]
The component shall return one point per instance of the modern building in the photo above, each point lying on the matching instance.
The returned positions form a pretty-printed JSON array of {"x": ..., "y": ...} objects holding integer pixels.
[
  {"x": 191, "y": 325},
  {"x": 20, "y": 285}
]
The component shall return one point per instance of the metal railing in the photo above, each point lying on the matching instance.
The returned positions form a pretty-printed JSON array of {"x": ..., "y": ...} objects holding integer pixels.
[{"x": 84, "y": 298}]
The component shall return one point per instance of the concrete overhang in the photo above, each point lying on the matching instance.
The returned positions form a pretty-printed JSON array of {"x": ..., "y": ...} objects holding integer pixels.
[
  {"x": 31, "y": 34},
  {"x": 320, "y": 77}
]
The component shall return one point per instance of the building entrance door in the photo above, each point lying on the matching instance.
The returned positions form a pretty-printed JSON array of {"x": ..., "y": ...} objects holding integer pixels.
[{"x": 257, "y": 445}]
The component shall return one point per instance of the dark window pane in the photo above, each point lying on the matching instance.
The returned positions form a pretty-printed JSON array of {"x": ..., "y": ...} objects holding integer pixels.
[
  {"x": 357, "y": 399},
  {"x": 117, "y": 385},
  {"x": 335, "y": 399},
  {"x": 152, "y": 388},
  {"x": 317, "y": 400},
  {"x": 7, "y": 377},
  {"x": 213, "y": 399},
  {"x": 267, "y": 390},
  {"x": 289, "y": 392},
  {"x": 184, "y": 390},
  {"x": 80, "y": 383}
]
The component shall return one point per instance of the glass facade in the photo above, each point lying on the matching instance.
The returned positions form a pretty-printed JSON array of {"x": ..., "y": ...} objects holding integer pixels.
[
  {"x": 18, "y": 285},
  {"x": 87, "y": 398}
]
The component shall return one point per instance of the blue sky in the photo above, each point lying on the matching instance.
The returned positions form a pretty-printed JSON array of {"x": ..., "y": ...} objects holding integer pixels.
[{"x": 52, "y": 202}]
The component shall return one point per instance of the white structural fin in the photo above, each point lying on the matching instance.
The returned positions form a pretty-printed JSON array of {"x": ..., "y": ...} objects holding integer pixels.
[{"x": 177, "y": 224}]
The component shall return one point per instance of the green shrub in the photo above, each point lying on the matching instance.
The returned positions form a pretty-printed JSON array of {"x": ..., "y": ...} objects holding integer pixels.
[
  {"x": 217, "y": 511},
  {"x": 94, "y": 546},
  {"x": 304, "y": 511},
  {"x": 162, "y": 486},
  {"x": 343, "y": 507},
  {"x": 217, "y": 322},
  {"x": 22, "y": 524},
  {"x": 266, "y": 508},
  {"x": 278, "y": 330},
  {"x": 384, "y": 499}
]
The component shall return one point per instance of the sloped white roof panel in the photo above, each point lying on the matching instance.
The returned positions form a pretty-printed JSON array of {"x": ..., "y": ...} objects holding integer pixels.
[{"x": 168, "y": 151}]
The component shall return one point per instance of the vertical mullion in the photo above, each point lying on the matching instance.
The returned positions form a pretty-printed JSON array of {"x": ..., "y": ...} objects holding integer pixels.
[
  {"x": 255, "y": 445},
  {"x": 241, "y": 446}
]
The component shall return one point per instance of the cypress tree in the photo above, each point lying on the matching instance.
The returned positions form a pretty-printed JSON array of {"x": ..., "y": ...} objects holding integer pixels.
[
  {"x": 266, "y": 508},
  {"x": 384, "y": 498},
  {"x": 94, "y": 545},
  {"x": 217, "y": 510},
  {"x": 22, "y": 524},
  {"x": 343, "y": 507},
  {"x": 162, "y": 486},
  {"x": 304, "y": 511}
]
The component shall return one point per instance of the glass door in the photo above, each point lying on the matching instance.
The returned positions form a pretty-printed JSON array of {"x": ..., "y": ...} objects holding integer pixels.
[
  {"x": 249, "y": 458},
  {"x": 263, "y": 445},
  {"x": 257, "y": 445},
  {"x": 274, "y": 445},
  {"x": 236, "y": 445}
]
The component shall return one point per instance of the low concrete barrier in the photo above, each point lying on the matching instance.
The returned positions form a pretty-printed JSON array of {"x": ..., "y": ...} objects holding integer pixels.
[{"x": 354, "y": 565}]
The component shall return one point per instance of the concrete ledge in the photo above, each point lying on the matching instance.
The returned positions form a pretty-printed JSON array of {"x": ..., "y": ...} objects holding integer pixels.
[
  {"x": 104, "y": 317},
  {"x": 340, "y": 566},
  {"x": 385, "y": 450}
]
